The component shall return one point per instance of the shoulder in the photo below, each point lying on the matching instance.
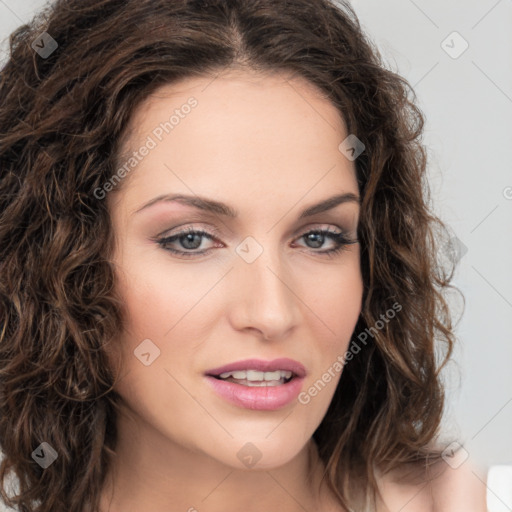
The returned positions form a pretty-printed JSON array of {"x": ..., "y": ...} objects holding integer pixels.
[{"x": 441, "y": 488}]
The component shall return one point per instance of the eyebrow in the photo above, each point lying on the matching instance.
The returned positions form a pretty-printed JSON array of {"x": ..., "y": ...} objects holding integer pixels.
[{"x": 209, "y": 205}]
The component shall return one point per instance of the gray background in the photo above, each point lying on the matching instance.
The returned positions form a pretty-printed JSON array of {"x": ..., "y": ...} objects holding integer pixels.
[{"x": 467, "y": 101}]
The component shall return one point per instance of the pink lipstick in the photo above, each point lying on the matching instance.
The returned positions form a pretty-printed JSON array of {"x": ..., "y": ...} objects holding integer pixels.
[{"x": 257, "y": 384}]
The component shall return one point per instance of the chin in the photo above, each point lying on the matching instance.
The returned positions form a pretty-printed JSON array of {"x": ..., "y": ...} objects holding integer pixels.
[{"x": 259, "y": 454}]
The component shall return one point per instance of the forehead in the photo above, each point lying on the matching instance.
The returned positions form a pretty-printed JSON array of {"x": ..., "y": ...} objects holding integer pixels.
[{"x": 246, "y": 134}]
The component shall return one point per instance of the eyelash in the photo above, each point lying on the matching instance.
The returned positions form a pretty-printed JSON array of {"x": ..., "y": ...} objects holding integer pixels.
[{"x": 341, "y": 240}]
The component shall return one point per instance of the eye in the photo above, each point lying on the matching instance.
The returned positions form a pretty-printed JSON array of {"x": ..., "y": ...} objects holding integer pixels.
[
  {"x": 317, "y": 237},
  {"x": 190, "y": 240}
]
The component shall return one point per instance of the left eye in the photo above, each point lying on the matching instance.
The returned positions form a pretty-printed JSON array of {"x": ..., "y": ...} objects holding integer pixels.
[{"x": 191, "y": 240}]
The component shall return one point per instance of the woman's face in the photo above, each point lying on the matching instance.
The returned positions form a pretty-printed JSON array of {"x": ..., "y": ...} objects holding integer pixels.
[{"x": 257, "y": 285}]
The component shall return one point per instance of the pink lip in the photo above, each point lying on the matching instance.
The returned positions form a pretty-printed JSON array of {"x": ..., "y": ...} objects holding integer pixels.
[
  {"x": 265, "y": 398},
  {"x": 262, "y": 366},
  {"x": 257, "y": 398}
]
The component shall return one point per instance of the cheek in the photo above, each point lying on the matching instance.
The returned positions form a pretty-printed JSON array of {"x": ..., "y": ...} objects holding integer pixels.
[
  {"x": 335, "y": 297},
  {"x": 336, "y": 305},
  {"x": 168, "y": 306},
  {"x": 155, "y": 332},
  {"x": 155, "y": 295},
  {"x": 345, "y": 306}
]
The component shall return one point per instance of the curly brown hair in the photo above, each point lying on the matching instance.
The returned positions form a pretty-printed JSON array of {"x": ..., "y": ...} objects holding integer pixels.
[{"x": 63, "y": 117}]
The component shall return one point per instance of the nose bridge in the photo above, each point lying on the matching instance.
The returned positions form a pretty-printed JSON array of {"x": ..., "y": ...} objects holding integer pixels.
[{"x": 265, "y": 299}]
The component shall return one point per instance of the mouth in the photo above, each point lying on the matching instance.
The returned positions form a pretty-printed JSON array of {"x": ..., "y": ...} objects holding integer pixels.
[
  {"x": 255, "y": 378},
  {"x": 257, "y": 384},
  {"x": 258, "y": 373}
]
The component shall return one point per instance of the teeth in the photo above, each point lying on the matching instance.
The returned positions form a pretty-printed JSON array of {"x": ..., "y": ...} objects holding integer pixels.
[
  {"x": 257, "y": 376},
  {"x": 252, "y": 384},
  {"x": 269, "y": 375},
  {"x": 254, "y": 375}
]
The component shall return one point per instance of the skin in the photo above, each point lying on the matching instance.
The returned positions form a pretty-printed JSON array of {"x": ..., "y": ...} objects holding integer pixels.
[
  {"x": 459, "y": 487},
  {"x": 268, "y": 148},
  {"x": 266, "y": 145}
]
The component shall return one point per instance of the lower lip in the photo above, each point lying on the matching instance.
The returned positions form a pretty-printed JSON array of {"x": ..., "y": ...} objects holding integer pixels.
[{"x": 264, "y": 398}]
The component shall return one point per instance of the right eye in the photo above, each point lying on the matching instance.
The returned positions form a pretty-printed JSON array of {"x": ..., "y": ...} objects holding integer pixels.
[{"x": 189, "y": 239}]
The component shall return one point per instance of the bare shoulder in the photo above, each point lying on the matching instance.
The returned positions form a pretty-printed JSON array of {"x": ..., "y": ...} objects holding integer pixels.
[{"x": 441, "y": 488}]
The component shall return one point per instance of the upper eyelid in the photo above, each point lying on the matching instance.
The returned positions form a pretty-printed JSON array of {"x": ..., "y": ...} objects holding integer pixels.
[
  {"x": 212, "y": 231},
  {"x": 214, "y": 235}
]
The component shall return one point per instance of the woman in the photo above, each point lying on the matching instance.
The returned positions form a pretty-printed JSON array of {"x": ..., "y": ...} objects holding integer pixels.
[{"x": 219, "y": 280}]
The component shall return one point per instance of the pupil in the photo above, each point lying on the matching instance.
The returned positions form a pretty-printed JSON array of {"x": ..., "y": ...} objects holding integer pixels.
[
  {"x": 316, "y": 238},
  {"x": 188, "y": 238}
]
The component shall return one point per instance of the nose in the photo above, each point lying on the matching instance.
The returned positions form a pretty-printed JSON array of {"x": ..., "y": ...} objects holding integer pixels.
[{"x": 264, "y": 296}]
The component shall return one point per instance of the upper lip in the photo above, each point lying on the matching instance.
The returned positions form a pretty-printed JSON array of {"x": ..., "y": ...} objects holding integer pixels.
[{"x": 261, "y": 365}]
